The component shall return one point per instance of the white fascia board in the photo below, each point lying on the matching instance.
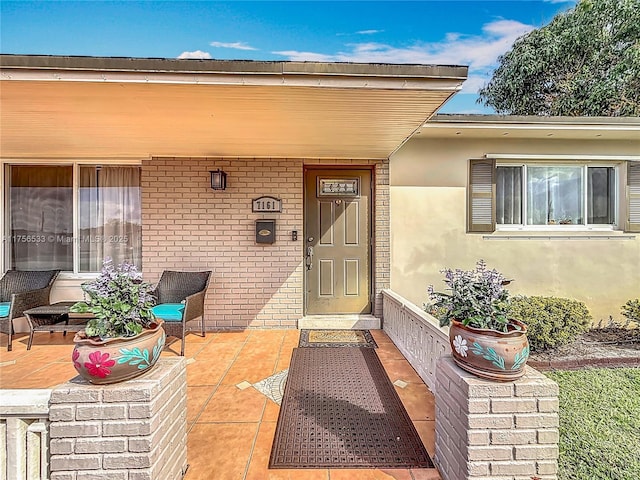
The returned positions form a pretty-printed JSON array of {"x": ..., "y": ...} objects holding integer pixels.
[
  {"x": 521, "y": 156},
  {"x": 66, "y": 160},
  {"x": 258, "y": 79},
  {"x": 535, "y": 126}
]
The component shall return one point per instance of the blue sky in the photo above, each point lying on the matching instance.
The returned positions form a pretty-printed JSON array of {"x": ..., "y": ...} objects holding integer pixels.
[{"x": 453, "y": 32}]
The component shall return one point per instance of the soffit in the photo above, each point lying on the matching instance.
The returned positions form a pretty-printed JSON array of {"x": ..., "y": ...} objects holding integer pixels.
[{"x": 311, "y": 111}]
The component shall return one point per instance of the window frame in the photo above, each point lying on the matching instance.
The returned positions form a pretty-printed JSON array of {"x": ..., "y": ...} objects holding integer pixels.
[
  {"x": 5, "y": 166},
  {"x": 481, "y": 192},
  {"x": 584, "y": 166}
]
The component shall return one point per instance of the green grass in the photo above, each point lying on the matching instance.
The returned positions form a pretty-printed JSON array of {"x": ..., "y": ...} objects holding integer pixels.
[{"x": 599, "y": 424}]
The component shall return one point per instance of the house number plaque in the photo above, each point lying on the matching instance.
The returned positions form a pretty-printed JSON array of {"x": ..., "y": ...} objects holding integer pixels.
[{"x": 266, "y": 204}]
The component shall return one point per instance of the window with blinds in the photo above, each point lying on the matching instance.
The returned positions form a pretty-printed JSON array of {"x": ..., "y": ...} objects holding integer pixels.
[{"x": 544, "y": 195}]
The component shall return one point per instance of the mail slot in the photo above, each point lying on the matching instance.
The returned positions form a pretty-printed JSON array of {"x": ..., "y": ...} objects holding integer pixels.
[{"x": 265, "y": 231}]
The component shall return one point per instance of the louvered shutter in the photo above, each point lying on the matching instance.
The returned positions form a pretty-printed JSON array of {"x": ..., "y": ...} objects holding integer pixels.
[
  {"x": 481, "y": 215},
  {"x": 633, "y": 197}
]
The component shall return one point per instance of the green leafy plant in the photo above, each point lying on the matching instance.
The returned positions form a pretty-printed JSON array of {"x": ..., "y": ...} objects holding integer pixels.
[
  {"x": 551, "y": 321},
  {"x": 477, "y": 298},
  {"x": 120, "y": 301},
  {"x": 631, "y": 310},
  {"x": 584, "y": 62}
]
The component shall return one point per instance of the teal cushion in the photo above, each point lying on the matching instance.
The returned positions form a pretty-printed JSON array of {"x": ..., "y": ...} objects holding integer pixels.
[
  {"x": 169, "y": 312},
  {"x": 4, "y": 309}
]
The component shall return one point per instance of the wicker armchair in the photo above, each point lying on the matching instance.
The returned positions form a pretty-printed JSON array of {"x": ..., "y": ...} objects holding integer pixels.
[
  {"x": 185, "y": 290},
  {"x": 20, "y": 291}
]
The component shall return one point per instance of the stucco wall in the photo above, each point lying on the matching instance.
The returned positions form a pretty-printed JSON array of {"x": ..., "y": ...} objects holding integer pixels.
[{"x": 428, "y": 180}]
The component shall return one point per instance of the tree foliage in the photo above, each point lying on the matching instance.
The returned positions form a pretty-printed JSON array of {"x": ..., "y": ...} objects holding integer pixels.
[{"x": 585, "y": 62}]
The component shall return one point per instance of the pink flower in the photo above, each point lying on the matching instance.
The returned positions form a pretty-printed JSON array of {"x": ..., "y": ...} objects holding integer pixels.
[
  {"x": 99, "y": 363},
  {"x": 75, "y": 356}
]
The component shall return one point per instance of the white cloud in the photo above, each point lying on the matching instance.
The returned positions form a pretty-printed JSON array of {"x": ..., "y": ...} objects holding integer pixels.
[
  {"x": 296, "y": 56},
  {"x": 371, "y": 31},
  {"x": 480, "y": 52},
  {"x": 199, "y": 54},
  {"x": 234, "y": 45},
  {"x": 473, "y": 83}
]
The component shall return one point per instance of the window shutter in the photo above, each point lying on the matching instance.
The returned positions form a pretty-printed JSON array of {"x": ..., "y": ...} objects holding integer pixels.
[
  {"x": 481, "y": 196},
  {"x": 633, "y": 197}
]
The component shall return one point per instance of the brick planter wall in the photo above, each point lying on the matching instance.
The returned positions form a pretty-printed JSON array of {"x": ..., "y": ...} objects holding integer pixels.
[
  {"x": 134, "y": 430},
  {"x": 491, "y": 430}
]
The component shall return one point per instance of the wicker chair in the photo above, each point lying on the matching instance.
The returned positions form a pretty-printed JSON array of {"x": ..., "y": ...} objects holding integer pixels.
[
  {"x": 185, "y": 290},
  {"x": 20, "y": 291}
]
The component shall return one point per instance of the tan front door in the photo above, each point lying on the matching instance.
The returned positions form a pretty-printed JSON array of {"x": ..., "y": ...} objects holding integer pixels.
[{"x": 337, "y": 233}]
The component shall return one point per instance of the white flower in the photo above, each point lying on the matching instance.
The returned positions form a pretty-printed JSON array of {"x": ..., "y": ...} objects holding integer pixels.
[{"x": 460, "y": 344}]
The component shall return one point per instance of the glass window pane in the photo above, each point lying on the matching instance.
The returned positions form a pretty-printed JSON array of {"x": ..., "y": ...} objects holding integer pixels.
[
  {"x": 601, "y": 187},
  {"x": 110, "y": 220},
  {"x": 41, "y": 218},
  {"x": 509, "y": 195},
  {"x": 554, "y": 195}
]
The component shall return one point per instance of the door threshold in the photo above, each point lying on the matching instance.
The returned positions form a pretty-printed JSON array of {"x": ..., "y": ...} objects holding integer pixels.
[{"x": 339, "y": 322}]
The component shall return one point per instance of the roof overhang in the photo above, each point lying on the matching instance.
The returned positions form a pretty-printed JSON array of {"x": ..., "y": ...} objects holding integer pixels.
[
  {"x": 90, "y": 107},
  {"x": 513, "y": 126}
]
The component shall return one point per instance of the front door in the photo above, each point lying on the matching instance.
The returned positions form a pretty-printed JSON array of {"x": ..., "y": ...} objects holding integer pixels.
[{"x": 337, "y": 248}]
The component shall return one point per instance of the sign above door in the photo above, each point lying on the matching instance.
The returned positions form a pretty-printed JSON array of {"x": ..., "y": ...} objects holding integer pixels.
[{"x": 338, "y": 187}]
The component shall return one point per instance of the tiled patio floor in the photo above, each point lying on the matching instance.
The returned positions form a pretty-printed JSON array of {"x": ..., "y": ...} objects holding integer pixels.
[{"x": 231, "y": 429}]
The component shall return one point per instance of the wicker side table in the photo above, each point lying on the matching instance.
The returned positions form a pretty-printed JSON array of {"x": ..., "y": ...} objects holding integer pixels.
[{"x": 50, "y": 318}]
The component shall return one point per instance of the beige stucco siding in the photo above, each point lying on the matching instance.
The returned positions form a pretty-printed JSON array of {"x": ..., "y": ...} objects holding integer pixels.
[{"x": 428, "y": 229}]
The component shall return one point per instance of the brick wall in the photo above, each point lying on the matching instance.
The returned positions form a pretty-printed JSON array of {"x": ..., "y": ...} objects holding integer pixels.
[
  {"x": 188, "y": 226},
  {"x": 135, "y": 430},
  {"x": 382, "y": 237},
  {"x": 491, "y": 430}
]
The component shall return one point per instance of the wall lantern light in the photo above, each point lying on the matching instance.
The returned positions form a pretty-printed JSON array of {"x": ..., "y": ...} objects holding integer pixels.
[{"x": 218, "y": 180}]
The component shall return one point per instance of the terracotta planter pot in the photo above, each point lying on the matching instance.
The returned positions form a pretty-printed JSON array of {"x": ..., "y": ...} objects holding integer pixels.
[
  {"x": 117, "y": 359},
  {"x": 488, "y": 353}
]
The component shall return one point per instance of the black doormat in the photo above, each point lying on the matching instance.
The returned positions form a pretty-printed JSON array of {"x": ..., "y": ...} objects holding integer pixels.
[
  {"x": 340, "y": 410},
  {"x": 336, "y": 338}
]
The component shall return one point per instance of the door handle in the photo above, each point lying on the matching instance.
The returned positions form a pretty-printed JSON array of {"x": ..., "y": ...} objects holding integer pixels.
[{"x": 309, "y": 259}]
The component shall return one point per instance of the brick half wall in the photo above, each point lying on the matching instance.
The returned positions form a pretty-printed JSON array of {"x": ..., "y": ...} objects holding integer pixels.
[
  {"x": 133, "y": 430},
  {"x": 495, "y": 431}
]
